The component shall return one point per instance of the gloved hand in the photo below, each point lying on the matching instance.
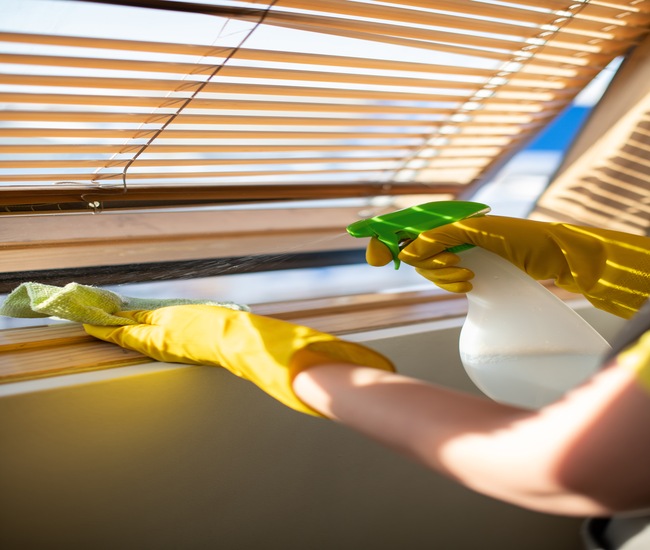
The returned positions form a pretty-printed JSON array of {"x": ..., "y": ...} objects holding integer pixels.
[
  {"x": 611, "y": 269},
  {"x": 265, "y": 351}
]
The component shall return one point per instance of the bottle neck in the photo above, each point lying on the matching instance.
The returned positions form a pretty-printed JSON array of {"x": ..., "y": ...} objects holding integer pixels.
[{"x": 492, "y": 274}]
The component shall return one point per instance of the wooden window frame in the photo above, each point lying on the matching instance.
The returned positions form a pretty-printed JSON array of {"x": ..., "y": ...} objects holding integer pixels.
[{"x": 34, "y": 244}]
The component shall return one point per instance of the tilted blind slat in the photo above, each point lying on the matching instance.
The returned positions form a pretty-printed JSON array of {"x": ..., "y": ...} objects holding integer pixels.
[
  {"x": 197, "y": 134},
  {"x": 330, "y": 77},
  {"x": 452, "y": 103},
  {"x": 270, "y": 148},
  {"x": 289, "y": 174},
  {"x": 538, "y": 12},
  {"x": 217, "y": 120},
  {"x": 204, "y": 66},
  {"x": 292, "y": 74},
  {"x": 171, "y": 163},
  {"x": 226, "y": 105},
  {"x": 296, "y": 57}
]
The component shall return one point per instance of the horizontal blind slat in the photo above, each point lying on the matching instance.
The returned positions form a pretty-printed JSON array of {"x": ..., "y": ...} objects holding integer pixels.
[
  {"x": 220, "y": 104},
  {"x": 538, "y": 12},
  {"x": 216, "y": 120},
  {"x": 524, "y": 79},
  {"x": 85, "y": 149}
]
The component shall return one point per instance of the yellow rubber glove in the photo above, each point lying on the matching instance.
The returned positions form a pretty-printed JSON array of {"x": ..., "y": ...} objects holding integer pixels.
[
  {"x": 265, "y": 351},
  {"x": 637, "y": 358},
  {"x": 611, "y": 269}
]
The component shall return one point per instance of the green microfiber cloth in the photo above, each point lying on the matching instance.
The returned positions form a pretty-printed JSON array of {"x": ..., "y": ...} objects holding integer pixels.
[{"x": 85, "y": 304}]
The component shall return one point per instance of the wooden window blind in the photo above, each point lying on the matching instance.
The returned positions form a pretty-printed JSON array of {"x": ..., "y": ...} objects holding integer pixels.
[{"x": 151, "y": 102}]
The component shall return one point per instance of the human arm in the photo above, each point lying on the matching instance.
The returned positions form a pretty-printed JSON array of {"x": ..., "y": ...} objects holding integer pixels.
[
  {"x": 610, "y": 268},
  {"x": 583, "y": 455}
]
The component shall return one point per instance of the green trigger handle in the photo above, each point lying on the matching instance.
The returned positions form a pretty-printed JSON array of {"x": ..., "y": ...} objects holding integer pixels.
[{"x": 398, "y": 228}]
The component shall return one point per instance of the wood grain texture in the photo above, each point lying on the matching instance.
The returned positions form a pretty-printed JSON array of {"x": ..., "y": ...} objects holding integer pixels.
[{"x": 42, "y": 351}]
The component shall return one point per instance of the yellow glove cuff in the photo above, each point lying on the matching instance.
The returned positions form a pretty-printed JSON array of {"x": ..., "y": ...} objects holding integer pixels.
[{"x": 637, "y": 358}]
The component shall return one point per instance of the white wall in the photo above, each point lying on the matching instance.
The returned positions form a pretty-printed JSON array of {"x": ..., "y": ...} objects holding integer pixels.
[{"x": 186, "y": 458}]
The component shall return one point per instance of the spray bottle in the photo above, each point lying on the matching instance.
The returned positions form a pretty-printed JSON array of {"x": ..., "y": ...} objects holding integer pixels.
[{"x": 519, "y": 344}]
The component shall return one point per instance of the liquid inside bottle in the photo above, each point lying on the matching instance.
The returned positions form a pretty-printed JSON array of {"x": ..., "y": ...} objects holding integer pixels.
[{"x": 520, "y": 344}]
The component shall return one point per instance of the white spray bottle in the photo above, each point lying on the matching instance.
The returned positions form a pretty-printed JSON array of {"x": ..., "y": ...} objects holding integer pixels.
[{"x": 519, "y": 344}]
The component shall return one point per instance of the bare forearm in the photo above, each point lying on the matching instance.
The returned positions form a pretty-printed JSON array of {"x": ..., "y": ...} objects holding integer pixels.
[
  {"x": 401, "y": 412},
  {"x": 501, "y": 451}
]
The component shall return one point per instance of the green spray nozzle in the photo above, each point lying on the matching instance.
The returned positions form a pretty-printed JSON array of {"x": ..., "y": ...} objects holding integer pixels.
[{"x": 402, "y": 226}]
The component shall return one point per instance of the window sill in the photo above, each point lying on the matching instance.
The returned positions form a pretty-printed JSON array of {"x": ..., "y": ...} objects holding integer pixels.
[{"x": 45, "y": 351}]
